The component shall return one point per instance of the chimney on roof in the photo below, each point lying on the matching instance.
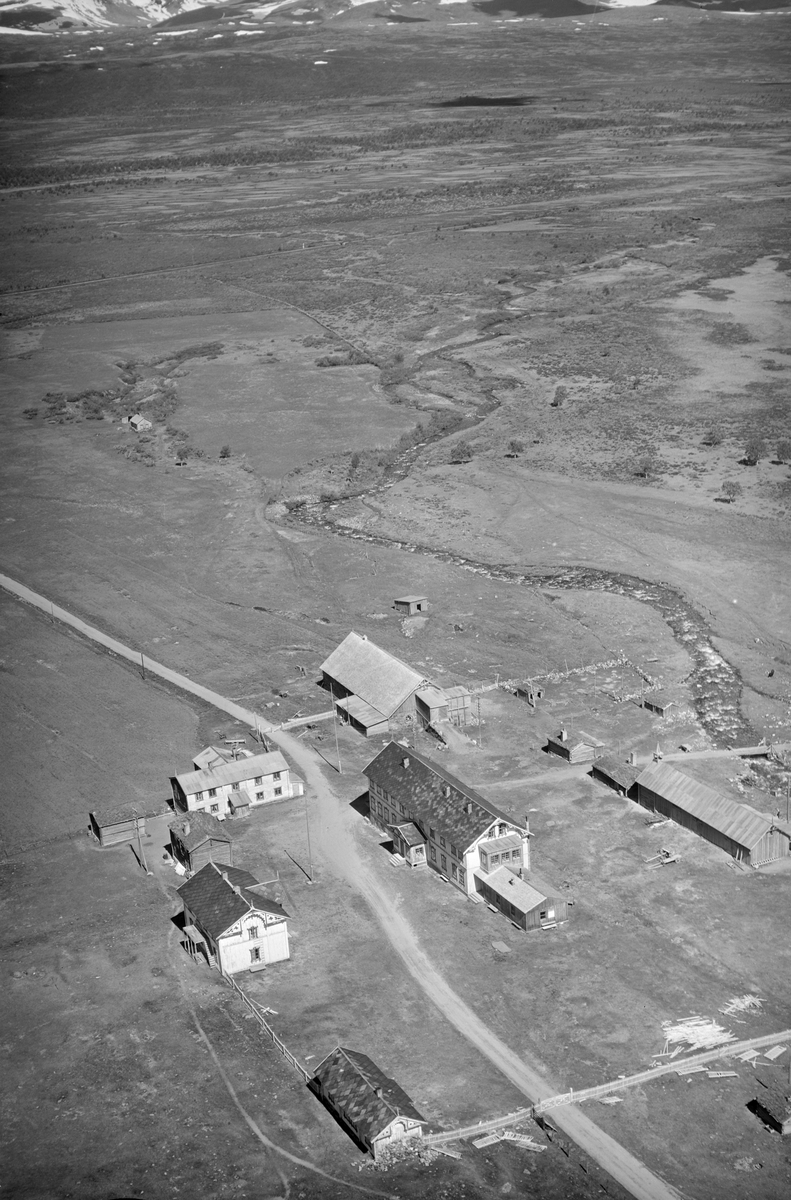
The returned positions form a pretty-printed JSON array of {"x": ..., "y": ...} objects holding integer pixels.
[
  {"x": 468, "y": 807},
  {"x": 527, "y": 824},
  {"x": 364, "y": 637},
  {"x": 446, "y": 789},
  {"x": 379, "y": 1093},
  {"x": 405, "y": 762},
  {"x": 225, "y": 876},
  {"x": 564, "y": 736},
  {"x": 186, "y": 828}
]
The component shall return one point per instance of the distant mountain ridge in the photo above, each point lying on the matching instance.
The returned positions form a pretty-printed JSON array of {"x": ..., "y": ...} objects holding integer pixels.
[{"x": 53, "y": 16}]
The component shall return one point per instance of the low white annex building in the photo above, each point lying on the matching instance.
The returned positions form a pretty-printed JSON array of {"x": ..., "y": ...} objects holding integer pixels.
[{"x": 232, "y": 788}]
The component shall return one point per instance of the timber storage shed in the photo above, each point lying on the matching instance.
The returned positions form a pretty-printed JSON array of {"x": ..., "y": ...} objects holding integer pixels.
[
  {"x": 742, "y": 832},
  {"x": 117, "y": 826}
]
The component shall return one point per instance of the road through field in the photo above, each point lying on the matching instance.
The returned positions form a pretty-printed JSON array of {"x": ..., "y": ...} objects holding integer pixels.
[{"x": 337, "y": 844}]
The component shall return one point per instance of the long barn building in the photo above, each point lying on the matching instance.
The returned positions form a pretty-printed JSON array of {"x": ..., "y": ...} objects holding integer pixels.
[{"x": 742, "y": 832}]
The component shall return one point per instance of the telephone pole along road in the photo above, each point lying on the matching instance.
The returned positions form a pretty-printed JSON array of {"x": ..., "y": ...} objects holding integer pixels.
[{"x": 339, "y": 847}]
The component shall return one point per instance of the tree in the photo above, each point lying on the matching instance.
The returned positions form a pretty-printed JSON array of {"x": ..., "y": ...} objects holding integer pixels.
[
  {"x": 713, "y": 437},
  {"x": 225, "y": 452},
  {"x": 783, "y": 450},
  {"x": 645, "y": 466},
  {"x": 754, "y": 450},
  {"x": 461, "y": 452},
  {"x": 731, "y": 490}
]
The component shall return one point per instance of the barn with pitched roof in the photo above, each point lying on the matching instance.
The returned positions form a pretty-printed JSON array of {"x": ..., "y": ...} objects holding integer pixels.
[
  {"x": 370, "y": 1106},
  {"x": 373, "y": 690},
  {"x": 742, "y": 832}
]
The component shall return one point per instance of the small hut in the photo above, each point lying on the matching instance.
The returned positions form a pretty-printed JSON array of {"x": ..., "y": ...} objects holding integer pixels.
[
  {"x": 619, "y": 776},
  {"x": 198, "y": 838},
  {"x": 117, "y": 826},
  {"x": 658, "y": 703},
  {"x": 772, "y": 1102},
  {"x": 431, "y": 704},
  {"x": 459, "y": 705},
  {"x": 410, "y": 606},
  {"x": 575, "y": 748},
  {"x": 409, "y": 843}
]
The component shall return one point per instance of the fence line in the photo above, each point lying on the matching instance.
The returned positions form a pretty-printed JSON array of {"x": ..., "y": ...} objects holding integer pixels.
[
  {"x": 277, "y": 1042},
  {"x": 451, "y": 1135},
  {"x": 726, "y": 1050}
]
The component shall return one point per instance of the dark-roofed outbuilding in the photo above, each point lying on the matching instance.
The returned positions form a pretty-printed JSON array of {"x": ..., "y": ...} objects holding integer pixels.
[
  {"x": 619, "y": 776},
  {"x": 199, "y": 838},
  {"x": 369, "y": 1105},
  {"x": 118, "y": 826},
  {"x": 772, "y": 1101},
  {"x": 741, "y": 831}
]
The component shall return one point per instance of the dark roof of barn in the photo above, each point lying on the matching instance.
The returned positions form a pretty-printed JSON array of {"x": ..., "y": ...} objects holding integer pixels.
[
  {"x": 212, "y": 897},
  {"x": 202, "y": 827},
  {"x": 624, "y": 774},
  {"x": 419, "y": 788},
  {"x": 774, "y": 1093},
  {"x": 353, "y": 1081},
  {"x": 741, "y": 824},
  {"x": 106, "y": 817},
  {"x": 371, "y": 673}
]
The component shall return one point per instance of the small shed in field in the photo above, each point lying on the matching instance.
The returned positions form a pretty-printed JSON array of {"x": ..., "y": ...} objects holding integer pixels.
[
  {"x": 409, "y": 606},
  {"x": 772, "y": 1101},
  {"x": 431, "y": 704},
  {"x": 198, "y": 838},
  {"x": 370, "y": 1106},
  {"x": 619, "y": 776},
  {"x": 575, "y": 747},
  {"x": 658, "y": 703},
  {"x": 741, "y": 831},
  {"x": 529, "y": 692},
  {"x": 140, "y": 423},
  {"x": 117, "y": 826}
]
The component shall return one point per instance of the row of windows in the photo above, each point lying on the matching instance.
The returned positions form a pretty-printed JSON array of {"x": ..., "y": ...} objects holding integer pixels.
[{"x": 505, "y": 856}]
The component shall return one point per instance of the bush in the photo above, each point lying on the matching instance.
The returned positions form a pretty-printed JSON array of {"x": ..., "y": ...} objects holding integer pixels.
[
  {"x": 754, "y": 451},
  {"x": 731, "y": 489},
  {"x": 713, "y": 437},
  {"x": 783, "y": 450},
  {"x": 515, "y": 447},
  {"x": 462, "y": 452},
  {"x": 225, "y": 452},
  {"x": 355, "y": 461}
]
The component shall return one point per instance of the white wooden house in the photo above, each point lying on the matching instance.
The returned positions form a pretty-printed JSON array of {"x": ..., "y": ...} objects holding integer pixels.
[
  {"x": 230, "y": 923},
  {"x": 232, "y": 788},
  {"x": 463, "y": 834},
  {"x": 139, "y": 423}
]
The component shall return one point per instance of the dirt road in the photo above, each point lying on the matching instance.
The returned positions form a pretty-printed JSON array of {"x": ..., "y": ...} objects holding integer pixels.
[{"x": 335, "y": 837}]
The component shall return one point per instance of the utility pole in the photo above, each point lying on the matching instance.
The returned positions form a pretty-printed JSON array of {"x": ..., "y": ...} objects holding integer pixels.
[
  {"x": 307, "y": 827},
  {"x": 142, "y": 664},
  {"x": 335, "y": 730},
  {"x": 140, "y": 853}
]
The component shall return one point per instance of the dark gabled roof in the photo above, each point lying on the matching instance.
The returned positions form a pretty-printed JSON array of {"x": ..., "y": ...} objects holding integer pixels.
[
  {"x": 741, "y": 824},
  {"x": 352, "y": 1081},
  {"x": 624, "y": 774},
  {"x": 774, "y": 1093},
  {"x": 419, "y": 787},
  {"x": 377, "y": 677},
  {"x": 202, "y": 827},
  {"x": 212, "y": 897},
  {"x": 105, "y": 817}
]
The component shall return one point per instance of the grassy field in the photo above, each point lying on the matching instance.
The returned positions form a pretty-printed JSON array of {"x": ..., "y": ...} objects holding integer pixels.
[{"x": 591, "y": 288}]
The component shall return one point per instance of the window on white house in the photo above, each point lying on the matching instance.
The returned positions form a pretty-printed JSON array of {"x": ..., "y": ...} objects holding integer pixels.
[
  {"x": 259, "y": 779},
  {"x": 461, "y": 874},
  {"x": 215, "y": 808},
  {"x": 432, "y": 834},
  {"x": 276, "y": 775},
  {"x": 433, "y": 854},
  {"x": 453, "y": 871},
  {"x": 259, "y": 795},
  {"x": 442, "y": 841},
  {"x": 278, "y": 791},
  {"x": 255, "y": 954},
  {"x": 212, "y": 791},
  {"x": 453, "y": 850},
  {"x": 252, "y": 932}
]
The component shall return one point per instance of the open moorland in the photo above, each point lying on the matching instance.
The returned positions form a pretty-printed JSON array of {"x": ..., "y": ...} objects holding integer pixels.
[{"x": 495, "y": 313}]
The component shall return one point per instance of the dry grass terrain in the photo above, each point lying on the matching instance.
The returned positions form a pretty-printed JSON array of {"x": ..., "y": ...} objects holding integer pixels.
[{"x": 506, "y": 356}]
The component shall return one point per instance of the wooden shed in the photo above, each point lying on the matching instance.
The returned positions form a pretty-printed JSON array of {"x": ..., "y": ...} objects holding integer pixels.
[
  {"x": 575, "y": 748},
  {"x": 745, "y": 834},
  {"x": 367, "y": 1104},
  {"x": 431, "y": 705},
  {"x": 620, "y": 776},
  {"x": 772, "y": 1101},
  {"x": 409, "y": 606},
  {"x": 198, "y": 838},
  {"x": 658, "y": 703},
  {"x": 117, "y": 826}
]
